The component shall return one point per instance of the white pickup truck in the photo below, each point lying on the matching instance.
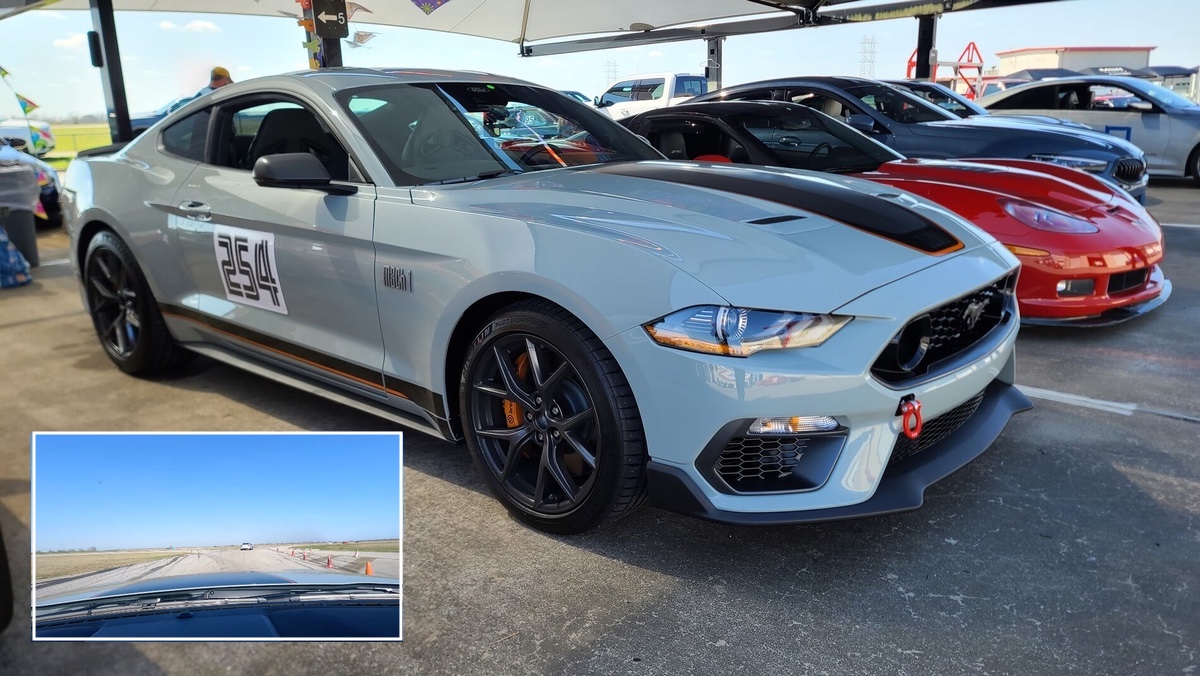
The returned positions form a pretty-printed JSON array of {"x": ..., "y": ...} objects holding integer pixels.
[{"x": 647, "y": 92}]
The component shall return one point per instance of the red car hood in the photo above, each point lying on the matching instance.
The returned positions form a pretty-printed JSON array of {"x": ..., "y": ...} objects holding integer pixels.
[{"x": 1031, "y": 181}]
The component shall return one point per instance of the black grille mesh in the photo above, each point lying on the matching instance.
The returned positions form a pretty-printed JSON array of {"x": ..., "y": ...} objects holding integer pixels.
[
  {"x": 935, "y": 430},
  {"x": 952, "y": 331},
  {"x": 1129, "y": 169},
  {"x": 760, "y": 457},
  {"x": 1123, "y": 282}
]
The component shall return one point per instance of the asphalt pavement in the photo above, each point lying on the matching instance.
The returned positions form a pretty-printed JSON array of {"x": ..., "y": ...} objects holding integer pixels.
[{"x": 1070, "y": 547}]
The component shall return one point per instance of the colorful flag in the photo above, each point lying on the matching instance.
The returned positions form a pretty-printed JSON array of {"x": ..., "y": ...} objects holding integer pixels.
[
  {"x": 429, "y": 6},
  {"x": 4, "y": 73},
  {"x": 27, "y": 106}
]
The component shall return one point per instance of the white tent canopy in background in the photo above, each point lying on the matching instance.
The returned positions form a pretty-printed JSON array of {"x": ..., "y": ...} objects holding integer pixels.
[{"x": 508, "y": 20}]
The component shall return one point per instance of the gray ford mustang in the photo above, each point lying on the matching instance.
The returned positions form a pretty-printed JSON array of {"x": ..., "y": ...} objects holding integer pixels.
[{"x": 598, "y": 324}]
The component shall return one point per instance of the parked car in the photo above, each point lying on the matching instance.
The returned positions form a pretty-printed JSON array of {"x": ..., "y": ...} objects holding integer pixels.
[
  {"x": 49, "y": 209},
  {"x": 246, "y": 546},
  {"x": 1090, "y": 255},
  {"x": 917, "y": 128},
  {"x": 647, "y": 92},
  {"x": 140, "y": 122},
  {"x": 744, "y": 344},
  {"x": 1162, "y": 123},
  {"x": 946, "y": 98},
  {"x": 36, "y": 133}
]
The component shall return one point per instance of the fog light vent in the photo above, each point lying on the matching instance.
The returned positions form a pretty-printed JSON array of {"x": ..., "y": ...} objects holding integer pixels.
[{"x": 1076, "y": 287}]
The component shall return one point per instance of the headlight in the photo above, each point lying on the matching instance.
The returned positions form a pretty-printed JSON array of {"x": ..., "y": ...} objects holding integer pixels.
[
  {"x": 1081, "y": 163},
  {"x": 737, "y": 332},
  {"x": 1045, "y": 218}
]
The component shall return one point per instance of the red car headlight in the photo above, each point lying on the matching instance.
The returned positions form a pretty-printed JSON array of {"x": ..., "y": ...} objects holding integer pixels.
[{"x": 1045, "y": 218}]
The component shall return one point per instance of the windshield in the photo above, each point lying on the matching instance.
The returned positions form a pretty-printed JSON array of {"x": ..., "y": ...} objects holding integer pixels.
[
  {"x": 436, "y": 133},
  {"x": 946, "y": 99},
  {"x": 897, "y": 105},
  {"x": 1166, "y": 97},
  {"x": 802, "y": 139}
]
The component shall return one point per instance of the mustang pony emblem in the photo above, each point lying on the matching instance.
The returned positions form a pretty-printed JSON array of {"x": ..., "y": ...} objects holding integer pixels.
[{"x": 973, "y": 312}]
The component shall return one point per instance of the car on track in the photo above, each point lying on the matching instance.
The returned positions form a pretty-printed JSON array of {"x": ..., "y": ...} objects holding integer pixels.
[
  {"x": 1090, "y": 255},
  {"x": 1162, "y": 123},
  {"x": 598, "y": 324},
  {"x": 917, "y": 128},
  {"x": 36, "y": 133},
  {"x": 246, "y": 546}
]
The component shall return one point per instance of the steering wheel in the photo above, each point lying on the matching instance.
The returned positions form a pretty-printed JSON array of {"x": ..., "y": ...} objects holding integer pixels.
[{"x": 816, "y": 151}]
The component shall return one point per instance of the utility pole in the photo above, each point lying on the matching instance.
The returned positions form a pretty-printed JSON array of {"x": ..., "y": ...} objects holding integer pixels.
[
  {"x": 866, "y": 58},
  {"x": 610, "y": 73}
]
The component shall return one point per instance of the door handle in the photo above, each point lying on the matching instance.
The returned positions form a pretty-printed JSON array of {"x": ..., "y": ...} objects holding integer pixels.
[{"x": 197, "y": 210}]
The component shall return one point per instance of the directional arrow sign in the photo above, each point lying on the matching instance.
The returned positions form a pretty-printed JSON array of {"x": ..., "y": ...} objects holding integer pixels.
[{"x": 332, "y": 19}]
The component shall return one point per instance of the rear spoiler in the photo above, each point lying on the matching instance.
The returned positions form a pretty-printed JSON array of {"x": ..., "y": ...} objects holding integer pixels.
[{"x": 103, "y": 150}]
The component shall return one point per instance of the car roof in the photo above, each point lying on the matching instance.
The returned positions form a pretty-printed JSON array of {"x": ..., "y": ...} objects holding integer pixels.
[
  {"x": 841, "y": 81},
  {"x": 346, "y": 78},
  {"x": 723, "y": 107}
]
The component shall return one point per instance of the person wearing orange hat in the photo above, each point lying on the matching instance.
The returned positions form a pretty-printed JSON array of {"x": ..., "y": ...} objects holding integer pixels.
[{"x": 219, "y": 77}]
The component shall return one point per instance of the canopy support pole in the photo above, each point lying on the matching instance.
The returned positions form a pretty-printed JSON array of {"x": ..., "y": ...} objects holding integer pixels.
[
  {"x": 926, "y": 46},
  {"x": 712, "y": 67},
  {"x": 106, "y": 55}
]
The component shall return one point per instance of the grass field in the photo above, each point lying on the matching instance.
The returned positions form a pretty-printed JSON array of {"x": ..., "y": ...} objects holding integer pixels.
[
  {"x": 62, "y": 565},
  {"x": 71, "y": 138}
]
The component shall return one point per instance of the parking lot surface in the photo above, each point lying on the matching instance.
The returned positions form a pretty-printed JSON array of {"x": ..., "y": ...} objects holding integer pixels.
[{"x": 1070, "y": 547}]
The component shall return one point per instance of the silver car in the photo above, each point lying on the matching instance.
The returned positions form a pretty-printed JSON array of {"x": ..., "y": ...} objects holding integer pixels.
[
  {"x": 598, "y": 324},
  {"x": 1162, "y": 123}
]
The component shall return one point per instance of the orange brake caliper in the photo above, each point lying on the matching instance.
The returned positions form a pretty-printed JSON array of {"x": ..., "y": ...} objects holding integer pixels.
[{"x": 514, "y": 413}]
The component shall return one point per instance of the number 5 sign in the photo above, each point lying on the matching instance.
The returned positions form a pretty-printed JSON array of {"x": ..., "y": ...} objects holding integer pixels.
[{"x": 329, "y": 19}]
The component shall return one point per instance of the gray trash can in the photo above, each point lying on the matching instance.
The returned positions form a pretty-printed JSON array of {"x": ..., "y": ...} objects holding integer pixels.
[
  {"x": 19, "y": 193},
  {"x": 21, "y": 228}
]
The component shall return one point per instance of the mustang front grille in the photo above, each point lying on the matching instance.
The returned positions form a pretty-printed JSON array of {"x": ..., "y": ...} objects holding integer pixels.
[
  {"x": 1129, "y": 169},
  {"x": 953, "y": 328},
  {"x": 1124, "y": 282},
  {"x": 935, "y": 430}
]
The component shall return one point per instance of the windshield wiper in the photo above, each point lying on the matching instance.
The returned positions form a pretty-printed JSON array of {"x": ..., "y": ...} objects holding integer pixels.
[{"x": 476, "y": 177}]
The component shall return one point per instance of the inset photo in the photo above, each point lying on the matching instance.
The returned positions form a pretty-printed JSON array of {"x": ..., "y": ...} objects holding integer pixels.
[{"x": 217, "y": 536}]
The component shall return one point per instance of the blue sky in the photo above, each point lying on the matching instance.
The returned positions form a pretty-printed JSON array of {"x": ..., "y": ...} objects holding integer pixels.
[
  {"x": 169, "y": 54},
  {"x": 157, "y": 490}
]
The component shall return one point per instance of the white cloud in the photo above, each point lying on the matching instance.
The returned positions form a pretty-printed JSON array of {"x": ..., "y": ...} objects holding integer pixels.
[
  {"x": 202, "y": 27},
  {"x": 58, "y": 16},
  {"x": 655, "y": 54},
  {"x": 244, "y": 69},
  {"x": 76, "y": 43},
  {"x": 167, "y": 25}
]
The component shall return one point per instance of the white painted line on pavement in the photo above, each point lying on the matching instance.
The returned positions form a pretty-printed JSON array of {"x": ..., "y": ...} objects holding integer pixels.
[
  {"x": 1102, "y": 405},
  {"x": 1193, "y": 226},
  {"x": 56, "y": 261}
]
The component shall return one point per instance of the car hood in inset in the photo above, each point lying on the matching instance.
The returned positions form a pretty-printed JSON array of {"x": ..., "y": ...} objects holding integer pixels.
[
  {"x": 760, "y": 237},
  {"x": 1002, "y": 125}
]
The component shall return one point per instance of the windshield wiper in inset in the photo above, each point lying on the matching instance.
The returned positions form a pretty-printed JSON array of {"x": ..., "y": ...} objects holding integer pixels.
[{"x": 476, "y": 177}]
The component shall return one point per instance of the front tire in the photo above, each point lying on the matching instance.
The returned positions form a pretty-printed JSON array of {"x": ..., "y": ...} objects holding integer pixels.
[
  {"x": 124, "y": 313},
  {"x": 1194, "y": 165},
  {"x": 551, "y": 421}
]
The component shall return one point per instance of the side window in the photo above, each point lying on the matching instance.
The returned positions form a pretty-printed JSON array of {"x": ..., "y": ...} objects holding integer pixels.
[
  {"x": 280, "y": 126},
  {"x": 690, "y": 86},
  {"x": 752, "y": 95},
  {"x": 1074, "y": 98},
  {"x": 1105, "y": 97},
  {"x": 991, "y": 88},
  {"x": 619, "y": 93},
  {"x": 648, "y": 90},
  {"x": 187, "y": 137}
]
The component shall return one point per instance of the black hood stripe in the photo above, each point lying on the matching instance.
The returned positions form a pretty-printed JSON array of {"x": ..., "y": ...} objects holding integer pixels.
[{"x": 875, "y": 215}]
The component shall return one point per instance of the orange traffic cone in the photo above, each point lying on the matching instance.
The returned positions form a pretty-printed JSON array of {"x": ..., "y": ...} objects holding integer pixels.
[
  {"x": 369, "y": 572},
  {"x": 329, "y": 562}
]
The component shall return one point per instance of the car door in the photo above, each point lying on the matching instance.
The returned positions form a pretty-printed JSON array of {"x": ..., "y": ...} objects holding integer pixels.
[
  {"x": 1122, "y": 113},
  {"x": 285, "y": 273},
  {"x": 646, "y": 95}
]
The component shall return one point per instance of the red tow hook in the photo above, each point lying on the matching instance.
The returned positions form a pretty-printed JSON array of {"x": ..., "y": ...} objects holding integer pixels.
[{"x": 911, "y": 421}]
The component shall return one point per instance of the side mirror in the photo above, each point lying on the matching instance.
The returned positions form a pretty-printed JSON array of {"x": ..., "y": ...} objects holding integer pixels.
[
  {"x": 603, "y": 104},
  {"x": 296, "y": 170},
  {"x": 16, "y": 142},
  {"x": 863, "y": 123},
  {"x": 1141, "y": 106}
]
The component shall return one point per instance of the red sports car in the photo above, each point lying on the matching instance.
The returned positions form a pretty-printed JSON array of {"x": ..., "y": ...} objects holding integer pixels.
[{"x": 1090, "y": 253}]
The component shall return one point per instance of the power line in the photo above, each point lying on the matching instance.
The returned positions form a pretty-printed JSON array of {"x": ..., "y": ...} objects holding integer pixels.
[{"x": 866, "y": 58}]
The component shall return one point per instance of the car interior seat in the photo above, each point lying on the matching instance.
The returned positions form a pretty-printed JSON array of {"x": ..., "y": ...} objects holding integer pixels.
[
  {"x": 673, "y": 145},
  {"x": 833, "y": 108},
  {"x": 440, "y": 138},
  {"x": 1069, "y": 100},
  {"x": 295, "y": 130},
  {"x": 736, "y": 152}
]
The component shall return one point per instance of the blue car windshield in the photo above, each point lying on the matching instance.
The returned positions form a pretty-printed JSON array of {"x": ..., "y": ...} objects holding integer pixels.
[{"x": 436, "y": 133}]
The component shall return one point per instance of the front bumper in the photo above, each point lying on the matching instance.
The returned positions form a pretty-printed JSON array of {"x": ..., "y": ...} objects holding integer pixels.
[
  {"x": 901, "y": 489},
  {"x": 1042, "y": 306}
]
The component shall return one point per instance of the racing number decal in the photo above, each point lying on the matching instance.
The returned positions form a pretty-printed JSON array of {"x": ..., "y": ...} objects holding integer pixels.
[{"x": 246, "y": 262}]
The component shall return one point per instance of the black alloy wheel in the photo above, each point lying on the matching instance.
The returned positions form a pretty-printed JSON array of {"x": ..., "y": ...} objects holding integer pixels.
[
  {"x": 551, "y": 421},
  {"x": 124, "y": 313}
]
